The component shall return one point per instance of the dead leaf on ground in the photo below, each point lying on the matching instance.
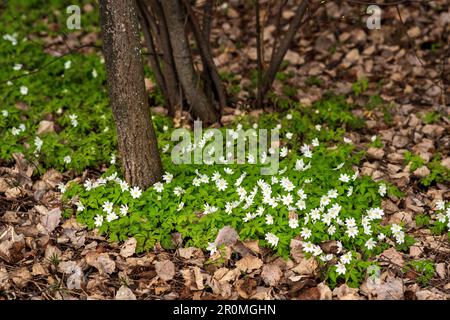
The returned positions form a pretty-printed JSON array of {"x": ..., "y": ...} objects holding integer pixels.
[
  {"x": 128, "y": 248},
  {"x": 125, "y": 293},
  {"x": 249, "y": 263},
  {"x": 165, "y": 270}
]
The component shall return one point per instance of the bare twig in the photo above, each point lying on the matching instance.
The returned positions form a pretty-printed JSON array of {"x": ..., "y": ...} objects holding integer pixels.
[
  {"x": 154, "y": 63},
  {"x": 258, "y": 56},
  {"x": 205, "y": 53}
]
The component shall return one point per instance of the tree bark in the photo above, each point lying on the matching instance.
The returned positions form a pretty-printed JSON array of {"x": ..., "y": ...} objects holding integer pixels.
[
  {"x": 125, "y": 78},
  {"x": 190, "y": 81}
]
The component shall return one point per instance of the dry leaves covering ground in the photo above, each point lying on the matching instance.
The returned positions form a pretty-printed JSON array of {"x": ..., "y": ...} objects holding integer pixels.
[{"x": 45, "y": 256}]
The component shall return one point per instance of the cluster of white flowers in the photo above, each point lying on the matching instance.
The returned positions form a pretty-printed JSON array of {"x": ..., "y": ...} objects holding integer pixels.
[
  {"x": 398, "y": 233},
  {"x": 73, "y": 120},
  {"x": 16, "y": 131},
  {"x": 38, "y": 143},
  {"x": 382, "y": 189},
  {"x": 11, "y": 38},
  {"x": 443, "y": 213},
  {"x": 282, "y": 190}
]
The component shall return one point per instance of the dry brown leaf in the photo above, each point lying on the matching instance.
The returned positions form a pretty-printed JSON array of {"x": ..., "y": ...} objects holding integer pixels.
[
  {"x": 246, "y": 288},
  {"x": 324, "y": 292},
  {"x": 165, "y": 269},
  {"x": 296, "y": 250},
  {"x": 393, "y": 256},
  {"x": 4, "y": 279},
  {"x": 52, "y": 178},
  {"x": 21, "y": 277},
  {"x": 51, "y": 220},
  {"x": 125, "y": 293},
  {"x": 271, "y": 274},
  {"x": 306, "y": 267},
  {"x": 226, "y": 236},
  {"x": 249, "y": 263},
  {"x": 345, "y": 293},
  {"x": 101, "y": 261},
  {"x": 45, "y": 127},
  {"x": 128, "y": 248}
]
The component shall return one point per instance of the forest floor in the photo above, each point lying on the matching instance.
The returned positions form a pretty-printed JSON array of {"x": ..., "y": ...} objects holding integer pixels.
[{"x": 44, "y": 255}]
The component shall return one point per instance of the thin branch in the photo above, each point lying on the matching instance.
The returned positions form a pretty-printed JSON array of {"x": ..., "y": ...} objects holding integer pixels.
[
  {"x": 277, "y": 26},
  {"x": 151, "y": 48},
  {"x": 168, "y": 64},
  {"x": 285, "y": 43},
  {"x": 205, "y": 53},
  {"x": 207, "y": 19},
  {"x": 258, "y": 55}
]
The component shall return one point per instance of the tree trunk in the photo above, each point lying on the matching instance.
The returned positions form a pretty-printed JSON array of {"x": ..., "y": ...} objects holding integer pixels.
[
  {"x": 190, "y": 81},
  {"x": 125, "y": 77}
]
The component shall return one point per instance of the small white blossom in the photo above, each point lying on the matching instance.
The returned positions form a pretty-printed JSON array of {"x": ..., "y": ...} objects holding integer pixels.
[
  {"x": 269, "y": 219},
  {"x": 293, "y": 223},
  {"x": 123, "y": 210},
  {"x": 346, "y": 258},
  {"x": 340, "y": 268},
  {"x": 272, "y": 239},
  {"x": 178, "y": 191},
  {"x": 167, "y": 177},
  {"x": 62, "y": 187},
  {"x": 135, "y": 192},
  {"x": 287, "y": 199},
  {"x": 38, "y": 143},
  {"x": 440, "y": 205},
  {"x": 212, "y": 248},
  {"x": 98, "y": 221},
  {"x": 111, "y": 216},
  {"x": 382, "y": 190},
  {"x": 80, "y": 206},
  {"x": 221, "y": 184},
  {"x": 159, "y": 187},
  {"x": 370, "y": 244},
  {"x": 23, "y": 90},
  {"x": 209, "y": 209},
  {"x": 344, "y": 178},
  {"x": 306, "y": 233},
  {"x": 331, "y": 230},
  {"x": 286, "y": 184},
  {"x": 347, "y": 140},
  {"x": 228, "y": 170},
  {"x": 315, "y": 142},
  {"x": 73, "y": 120},
  {"x": 108, "y": 206},
  {"x": 123, "y": 185},
  {"x": 67, "y": 159}
]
